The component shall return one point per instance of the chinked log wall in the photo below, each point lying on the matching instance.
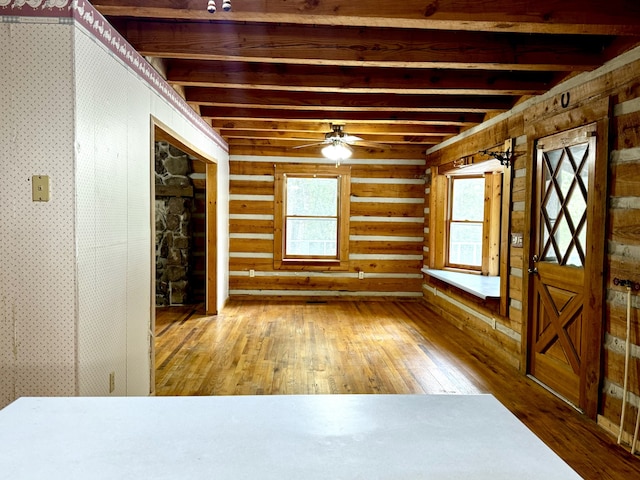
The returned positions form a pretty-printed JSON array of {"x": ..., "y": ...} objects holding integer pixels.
[
  {"x": 501, "y": 333},
  {"x": 620, "y": 83},
  {"x": 385, "y": 239}
]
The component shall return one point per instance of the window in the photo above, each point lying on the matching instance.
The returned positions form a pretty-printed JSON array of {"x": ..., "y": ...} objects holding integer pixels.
[
  {"x": 466, "y": 221},
  {"x": 311, "y": 217}
]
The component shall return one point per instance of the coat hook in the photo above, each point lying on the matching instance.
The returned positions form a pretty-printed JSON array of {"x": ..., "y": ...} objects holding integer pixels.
[{"x": 505, "y": 158}]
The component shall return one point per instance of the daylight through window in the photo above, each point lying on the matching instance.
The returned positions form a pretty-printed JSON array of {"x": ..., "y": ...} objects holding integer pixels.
[
  {"x": 311, "y": 221},
  {"x": 466, "y": 221}
]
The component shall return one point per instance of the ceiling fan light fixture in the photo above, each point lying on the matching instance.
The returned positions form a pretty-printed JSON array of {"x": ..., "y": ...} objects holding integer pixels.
[{"x": 337, "y": 151}]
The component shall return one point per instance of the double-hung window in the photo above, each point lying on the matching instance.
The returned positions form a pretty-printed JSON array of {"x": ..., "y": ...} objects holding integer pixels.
[
  {"x": 465, "y": 222},
  {"x": 311, "y": 217},
  {"x": 466, "y": 219}
]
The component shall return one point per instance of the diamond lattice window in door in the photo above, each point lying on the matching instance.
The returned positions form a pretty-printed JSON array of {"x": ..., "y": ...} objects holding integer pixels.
[{"x": 564, "y": 205}]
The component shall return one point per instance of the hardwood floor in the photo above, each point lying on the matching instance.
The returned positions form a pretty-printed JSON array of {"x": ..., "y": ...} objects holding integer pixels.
[{"x": 269, "y": 347}]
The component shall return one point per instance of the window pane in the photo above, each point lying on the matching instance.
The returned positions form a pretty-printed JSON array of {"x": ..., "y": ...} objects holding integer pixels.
[
  {"x": 312, "y": 236},
  {"x": 465, "y": 244},
  {"x": 468, "y": 199},
  {"x": 563, "y": 236},
  {"x": 312, "y": 196},
  {"x": 565, "y": 176},
  {"x": 554, "y": 157},
  {"x": 552, "y": 206}
]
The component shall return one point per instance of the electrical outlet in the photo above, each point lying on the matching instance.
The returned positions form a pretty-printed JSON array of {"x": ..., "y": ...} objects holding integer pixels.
[
  {"x": 252, "y": 273},
  {"x": 360, "y": 275},
  {"x": 517, "y": 240},
  {"x": 112, "y": 382}
]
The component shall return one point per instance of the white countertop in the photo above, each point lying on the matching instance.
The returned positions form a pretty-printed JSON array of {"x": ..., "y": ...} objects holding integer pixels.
[{"x": 272, "y": 437}]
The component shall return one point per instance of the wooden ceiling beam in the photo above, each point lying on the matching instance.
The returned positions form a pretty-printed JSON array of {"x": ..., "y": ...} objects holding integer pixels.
[
  {"x": 328, "y": 78},
  {"x": 293, "y": 142},
  {"x": 430, "y": 138},
  {"x": 348, "y": 46},
  {"x": 286, "y": 100},
  {"x": 324, "y": 127},
  {"x": 317, "y": 130},
  {"x": 237, "y": 115},
  {"x": 590, "y": 17},
  {"x": 406, "y": 151}
]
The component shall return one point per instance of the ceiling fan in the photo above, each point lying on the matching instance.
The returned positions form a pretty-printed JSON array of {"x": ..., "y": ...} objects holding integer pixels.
[{"x": 338, "y": 144}]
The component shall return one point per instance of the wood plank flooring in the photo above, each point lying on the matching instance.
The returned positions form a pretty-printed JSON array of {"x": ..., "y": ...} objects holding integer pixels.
[{"x": 287, "y": 347}]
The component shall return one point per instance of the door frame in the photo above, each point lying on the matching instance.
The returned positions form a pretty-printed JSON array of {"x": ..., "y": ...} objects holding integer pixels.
[
  {"x": 597, "y": 112},
  {"x": 161, "y": 132}
]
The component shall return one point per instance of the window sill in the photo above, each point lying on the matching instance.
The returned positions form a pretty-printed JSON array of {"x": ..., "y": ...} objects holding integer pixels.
[
  {"x": 486, "y": 288},
  {"x": 322, "y": 265}
]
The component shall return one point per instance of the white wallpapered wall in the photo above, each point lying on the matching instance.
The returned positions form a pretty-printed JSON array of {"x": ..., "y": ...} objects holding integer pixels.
[
  {"x": 6, "y": 323},
  {"x": 38, "y": 286},
  {"x": 102, "y": 130},
  {"x": 77, "y": 270}
]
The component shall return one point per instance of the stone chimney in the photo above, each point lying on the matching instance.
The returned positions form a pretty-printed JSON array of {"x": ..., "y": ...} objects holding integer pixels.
[{"x": 173, "y": 206}]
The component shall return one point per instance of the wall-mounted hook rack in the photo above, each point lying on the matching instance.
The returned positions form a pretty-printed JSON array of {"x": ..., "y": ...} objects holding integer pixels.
[
  {"x": 626, "y": 283},
  {"x": 503, "y": 157}
]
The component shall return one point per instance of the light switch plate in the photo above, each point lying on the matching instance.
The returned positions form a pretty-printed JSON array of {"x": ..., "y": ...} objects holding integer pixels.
[{"x": 40, "y": 188}]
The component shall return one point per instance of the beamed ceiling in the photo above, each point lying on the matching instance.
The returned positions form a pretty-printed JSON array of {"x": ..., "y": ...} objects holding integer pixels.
[{"x": 274, "y": 74}]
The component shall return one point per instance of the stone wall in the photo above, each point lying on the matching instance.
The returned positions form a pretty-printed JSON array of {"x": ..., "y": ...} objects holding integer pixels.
[{"x": 173, "y": 206}]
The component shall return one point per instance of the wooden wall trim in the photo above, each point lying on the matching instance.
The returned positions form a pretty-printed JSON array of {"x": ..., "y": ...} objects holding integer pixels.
[
  {"x": 505, "y": 228},
  {"x": 211, "y": 260}
]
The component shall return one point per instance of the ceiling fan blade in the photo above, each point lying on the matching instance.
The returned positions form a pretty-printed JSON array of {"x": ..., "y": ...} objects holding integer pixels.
[
  {"x": 350, "y": 138},
  {"x": 364, "y": 143},
  {"x": 337, "y": 135},
  {"x": 308, "y": 145}
]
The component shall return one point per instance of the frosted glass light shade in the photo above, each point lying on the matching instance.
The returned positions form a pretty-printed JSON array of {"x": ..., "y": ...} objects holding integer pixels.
[{"x": 337, "y": 151}]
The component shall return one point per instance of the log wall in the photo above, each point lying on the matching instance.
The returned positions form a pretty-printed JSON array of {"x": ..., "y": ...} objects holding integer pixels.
[
  {"x": 385, "y": 239},
  {"x": 618, "y": 85}
]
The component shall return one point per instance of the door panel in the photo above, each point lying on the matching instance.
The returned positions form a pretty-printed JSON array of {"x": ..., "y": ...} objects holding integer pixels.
[
  {"x": 558, "y": 306},
  {"x": 560, "y": 240}
]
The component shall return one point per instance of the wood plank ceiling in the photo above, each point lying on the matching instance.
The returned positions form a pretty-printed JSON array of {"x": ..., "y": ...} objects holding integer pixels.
[{"x": 270, "y": 75}]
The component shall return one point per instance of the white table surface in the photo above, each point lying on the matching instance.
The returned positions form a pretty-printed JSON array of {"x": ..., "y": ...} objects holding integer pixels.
[{"x": 268, "y": 437}]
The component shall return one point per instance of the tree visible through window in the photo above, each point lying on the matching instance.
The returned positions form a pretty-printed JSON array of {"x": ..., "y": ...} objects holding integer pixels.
[{"x": 311, "y": 221}]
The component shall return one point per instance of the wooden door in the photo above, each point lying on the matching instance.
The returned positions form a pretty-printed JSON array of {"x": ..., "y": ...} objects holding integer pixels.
[{"x": 562, "y": 332}]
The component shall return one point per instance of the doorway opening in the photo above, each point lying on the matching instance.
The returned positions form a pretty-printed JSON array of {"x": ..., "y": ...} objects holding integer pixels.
[
  {"x": 183, "y": 222},
  {"x": 180, "y": 223}
]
